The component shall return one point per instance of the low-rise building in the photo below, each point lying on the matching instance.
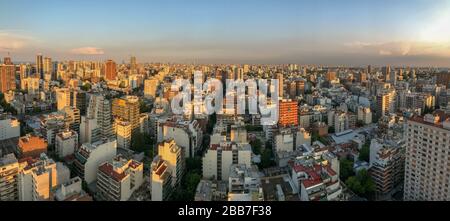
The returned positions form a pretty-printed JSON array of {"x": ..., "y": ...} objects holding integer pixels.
[{"x": 31, "y": 146}]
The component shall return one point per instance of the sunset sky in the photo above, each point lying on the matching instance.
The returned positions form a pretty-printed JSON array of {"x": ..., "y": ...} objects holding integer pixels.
[{"x": 329, "y": 32}]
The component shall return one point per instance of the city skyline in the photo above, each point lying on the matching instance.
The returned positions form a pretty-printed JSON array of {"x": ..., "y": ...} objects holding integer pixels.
[{"x": 351, "y": 33}]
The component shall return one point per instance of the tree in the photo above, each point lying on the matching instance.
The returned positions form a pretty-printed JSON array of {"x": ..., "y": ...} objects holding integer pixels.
[
  {"x": 361, "y": 184},
  {"x": 364, "y": 153},
  {"x": 211, "y": 123},
  {"x": 86, "y": 87},
  {"x": 359, "y": 123},
  {"x": 331, "y": 130},
  {"x": 143, "y": 107},
  {"x": 256, "y": 146},
  {"x": 346, "y": 169},
  {"x": 266, "y": 157},
  {"x": 142, "y": 143}
]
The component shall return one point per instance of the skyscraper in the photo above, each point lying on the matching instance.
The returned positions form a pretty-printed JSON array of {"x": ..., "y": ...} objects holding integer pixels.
[
  {"x": 7, "y": 76},
  {"x": 110, "y": 70},
  {"x": 39, "y": 66}
]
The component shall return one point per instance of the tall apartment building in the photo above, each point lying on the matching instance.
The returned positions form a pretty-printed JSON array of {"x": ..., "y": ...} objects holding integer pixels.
[
  {"x": 9, "y": 170},
  {"x": 385, "y": 103},
  {"x": 150, "y": 87},
  {"x": 167, "y": 169},
  {"x": 364, "y": 115},
  {"x": 219, "y": 158},
  {"x": 186, "y": 134},
  {"x": 119, "y": 178},
  {"x": 161, "y": 178},
  {"x": 39, "y": 65},
  {"x": 427, "y": 169},
  {"x": 127, "y": 108},
  {"x": 47, "y": 69},
  {"x": 123, "y": 132},
  {"x": 98, "y": 120},
  {"x": 66, "y": 143},
  {"x": 38, "y": 176},
  {"x": 62, "y": 98},
  {"x": 7, "y": 77},
  {"x": 288, "y": 113},
  {"x": 90, "y": 155},
  {"x": 110, "y": 70},
  {"x": 386, "y": 165}
]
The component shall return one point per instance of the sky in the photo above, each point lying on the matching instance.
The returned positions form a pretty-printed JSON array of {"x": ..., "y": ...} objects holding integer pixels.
[{"x": 323, "y": 32}]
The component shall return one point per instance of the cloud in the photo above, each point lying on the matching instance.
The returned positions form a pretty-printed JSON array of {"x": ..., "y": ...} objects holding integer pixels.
[
  {"x": 87, "y": 51},
  {"x": 10, "y": 41},
  {"x": 401, "y": 48}
]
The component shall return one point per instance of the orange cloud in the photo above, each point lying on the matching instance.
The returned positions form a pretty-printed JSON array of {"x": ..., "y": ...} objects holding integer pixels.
[{"x": 87, "y": 51}]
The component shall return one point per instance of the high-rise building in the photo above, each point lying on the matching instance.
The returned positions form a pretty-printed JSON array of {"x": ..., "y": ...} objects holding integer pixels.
[
  {"x": 385, "y": 103},
  {"x": 427, "y": 169},
  {"x": 167, "y": 169},
  {"x": 123, "y": 132},
  {"x": 62, "y": 98},
  {"x": 150, "y": 87},
  {"x": 288, "y": 113},
  {"x": 127, "y": 108},
  {"x": 7, "y": 76},
  {"x": 39, "y": 177},
  {"x": 219, "y": 158},
  {"x": 386, "y": 71},
  {"x": 100, "y": 109},
  {"x": 9, "y": 170},
  {"x": 133, "y": 63},
  {"x": 91, "y": 155},
  {"x": 48, "y": 69},
  {"x": 66, "y": 143},
  {"x": 280, "y": 84},
  {"x": 330, "y": 76},
  {"x": 40, "y": 66},
  {"x": 110, "y": 70}
]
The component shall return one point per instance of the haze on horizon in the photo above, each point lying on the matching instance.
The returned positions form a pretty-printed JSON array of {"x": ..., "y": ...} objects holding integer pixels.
[{"x": 348, "y": 32}]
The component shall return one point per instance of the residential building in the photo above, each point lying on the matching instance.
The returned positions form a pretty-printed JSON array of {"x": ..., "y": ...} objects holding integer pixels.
[
  {"x": 91, "y": 155},
  {"x": 219, "y": 158},
  {"x": 9, "y": 170},
  {"x": 123, "y": 132},
  {"x": 119, "y": 178},
  {"x": 127, "y": 108},
  {"x": 66, "y": 143},
  {"x": 31, "y": 146},
  {"x": 9, "y": 127},
  {"x": 427, "y": 172}
]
